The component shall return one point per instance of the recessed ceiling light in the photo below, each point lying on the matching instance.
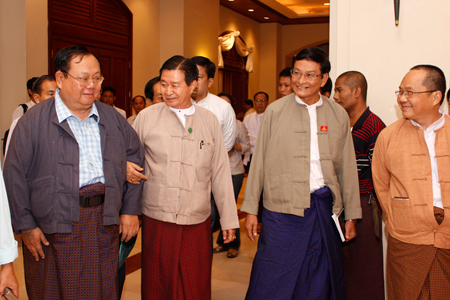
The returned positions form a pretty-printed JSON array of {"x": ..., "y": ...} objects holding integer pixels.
[
  {"x": 323, "y": 4},
  {"x": 266, "y": 18},
  {"x": 251, "y": 9},
  {"x": 231, "y": 0}
]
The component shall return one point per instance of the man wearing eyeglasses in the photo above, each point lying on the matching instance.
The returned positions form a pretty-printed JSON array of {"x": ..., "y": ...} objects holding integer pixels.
[
  {"x": 65, "y": 177},
  {"x": 411, "y": 176},
  {"x": 305, "y": 162}
]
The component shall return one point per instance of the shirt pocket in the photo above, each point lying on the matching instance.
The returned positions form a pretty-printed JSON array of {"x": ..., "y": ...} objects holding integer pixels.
[
  {"x": 42, "y": 197},
  {"x": 205, "y": 153},
  {"x": 403, "y": 219}
]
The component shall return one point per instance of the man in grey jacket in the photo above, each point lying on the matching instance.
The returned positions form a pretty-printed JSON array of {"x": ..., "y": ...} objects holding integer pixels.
[
  {"x": 65, "y": 177},
  {"x": 305, "y": 162}
]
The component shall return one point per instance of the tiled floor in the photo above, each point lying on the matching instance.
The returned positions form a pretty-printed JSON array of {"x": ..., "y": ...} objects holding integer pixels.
[{"x": 230, "y": 277}]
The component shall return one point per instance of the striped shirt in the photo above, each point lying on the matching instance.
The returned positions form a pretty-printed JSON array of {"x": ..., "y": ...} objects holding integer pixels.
[
  {"x": 87, "y": 134},
  {"x": 365, "y": 133}
]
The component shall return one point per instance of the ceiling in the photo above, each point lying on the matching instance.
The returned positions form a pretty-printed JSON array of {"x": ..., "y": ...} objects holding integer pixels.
[{"x": 281, "y": 11}]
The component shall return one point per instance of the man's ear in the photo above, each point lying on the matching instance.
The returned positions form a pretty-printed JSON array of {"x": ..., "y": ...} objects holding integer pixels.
[
  {"x": 36, "y": 98},
  {"x": 437, "y": 97},
  {"x": 324, "y": 79},
  {"x": 59, "y": 76},
  {"x": 210, "y": 82},
  {"x": 357, "y": 91}
]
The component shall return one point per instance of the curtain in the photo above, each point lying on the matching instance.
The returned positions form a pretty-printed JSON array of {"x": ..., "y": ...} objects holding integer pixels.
[{"x": 227, "y": 41}]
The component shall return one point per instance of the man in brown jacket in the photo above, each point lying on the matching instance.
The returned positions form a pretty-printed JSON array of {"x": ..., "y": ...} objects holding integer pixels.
[
  {"x": 411, "y": 176},
  {"x": 185, "y": 159}
]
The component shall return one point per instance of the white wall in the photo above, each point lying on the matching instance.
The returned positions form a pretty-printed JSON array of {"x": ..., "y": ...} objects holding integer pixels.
[{"x": 363, "y": 37}]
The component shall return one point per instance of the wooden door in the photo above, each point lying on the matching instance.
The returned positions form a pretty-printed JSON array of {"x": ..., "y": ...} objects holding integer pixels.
[{"x": 105, "y": 28}]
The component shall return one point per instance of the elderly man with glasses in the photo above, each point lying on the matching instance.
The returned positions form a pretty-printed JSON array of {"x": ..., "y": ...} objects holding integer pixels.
[
  {"x": 411, "y": 176},
  {"x": 65, "y": 178},
  {"x": 305, "y": 162}
]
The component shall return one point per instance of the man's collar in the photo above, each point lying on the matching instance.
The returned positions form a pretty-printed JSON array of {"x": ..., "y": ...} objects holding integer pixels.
[
  {"x": 63, "y": 112},
  {"x": 436, "y": 125},
  {"x": 300, "y": 101}
]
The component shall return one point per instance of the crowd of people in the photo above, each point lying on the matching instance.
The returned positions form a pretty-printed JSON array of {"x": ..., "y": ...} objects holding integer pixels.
[{"x": 80, "y": 179}]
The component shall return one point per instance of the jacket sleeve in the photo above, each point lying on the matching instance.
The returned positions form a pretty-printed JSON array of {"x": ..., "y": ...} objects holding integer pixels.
[
  {"x": 243, "y": 138},
  {"x": 348, "y": 175},
  {"x": 8, "y": 245},
  {"x": 221, "y": 183},
  {"x": 380, "y": 174},
  {"x": 17, "y": 165},
  {"x": 131, "y": 203}
]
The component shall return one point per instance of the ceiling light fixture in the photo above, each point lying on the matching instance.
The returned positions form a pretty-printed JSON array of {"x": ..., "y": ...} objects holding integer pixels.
[
  {"x": 266, "y": 18},
  {"x": 327, "y": 4},
  {"x": 251, "y": 9}
]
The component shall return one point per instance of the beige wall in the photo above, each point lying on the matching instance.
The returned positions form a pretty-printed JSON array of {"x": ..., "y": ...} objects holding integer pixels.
[
  {"x": 146, "y": 41},
  {"x": 250, "y": 32},
  {"x": 270, "y": 58},
  {"x": 298, "y": 37},
  {"x": 13, "y": 73}
]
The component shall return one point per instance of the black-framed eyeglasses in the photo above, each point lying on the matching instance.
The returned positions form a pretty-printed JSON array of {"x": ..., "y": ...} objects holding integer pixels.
[
  {"x": 86, "y": 81},
  {"x": 308, "y": 76},
  {"x": 410, "y": 94}
]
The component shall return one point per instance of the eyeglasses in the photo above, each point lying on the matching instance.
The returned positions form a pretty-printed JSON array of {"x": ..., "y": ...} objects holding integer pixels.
[
  {"x": 86, "y": 81},
  {"x": 410, "y": 94},
  {"x": 260, "y": 100},
  {"x": 308, "y": 76}
]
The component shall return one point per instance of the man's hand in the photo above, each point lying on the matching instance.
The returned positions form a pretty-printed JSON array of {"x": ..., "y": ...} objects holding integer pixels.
[
  {"x": 229, "y": 235},
  {"x": 129, "y": 226},
  {"x": 33, "y": 239},
  {"x": 134, "y": 174},
  {"x": 350, "y": 230},
  {"x": 8, "y": 279},
  {"x": 251, "y": 226}
]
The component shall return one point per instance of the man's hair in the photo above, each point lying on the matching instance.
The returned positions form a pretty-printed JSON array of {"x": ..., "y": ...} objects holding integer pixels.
[
  {"x": 249, "y": 102},
  {"x": 261, "y": 92},
  {"x": 137, "y": 96},
  {"x": 328, "y": 87},
  {"x": 109, "y": 89},
  {"x": 37, "y": 86},
  {"x": 205, "y": 63},
  {"x": 448, "y": 96},
  {"x": 314, "y": 54},
  {"x": 181, "y": 63},
  {"x": 30, "y": 83},
  {"x": 286, "y": 72},
  {"x": 148, "y": 90},
  {"x": 434, "y": 80},
  {"x": 64, "y": 56},
  {"x": 229, "y": 97},
  {"x": 354, "y": 79}
]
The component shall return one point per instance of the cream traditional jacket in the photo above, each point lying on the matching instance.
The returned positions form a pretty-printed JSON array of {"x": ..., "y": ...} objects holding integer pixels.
[
  {"x": 281, "y": 160},
  {"x": 183, "y": 165}
]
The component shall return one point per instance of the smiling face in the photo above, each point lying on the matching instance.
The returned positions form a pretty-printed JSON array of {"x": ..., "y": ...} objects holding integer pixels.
[
  {"x": 421, "y": 107},
  {"x": 284, "y": 86},
  {"x": 175, "y": 91},
  {"x": 74, "y": 95},
  {"x": 308, "y": 89}
]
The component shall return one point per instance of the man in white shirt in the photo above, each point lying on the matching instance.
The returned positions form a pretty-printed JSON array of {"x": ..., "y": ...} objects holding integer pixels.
[
  {"x": 20, "y": 110},
  {"x": 253, "y": 121},
  {"x": 223, "y": 110},
  {"x": 285, "y": 82},
  {"x": 108, "y": 96}
]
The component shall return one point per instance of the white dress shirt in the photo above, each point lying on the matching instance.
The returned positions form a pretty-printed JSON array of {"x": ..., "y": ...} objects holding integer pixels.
[
  {"x": 252, "y": 122},
  {"x": 316, "y": 180},
  {"x": 121, "y": 111},
  {"x": 18, "y": 112},
  {"x": 225, "y": 114}
]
